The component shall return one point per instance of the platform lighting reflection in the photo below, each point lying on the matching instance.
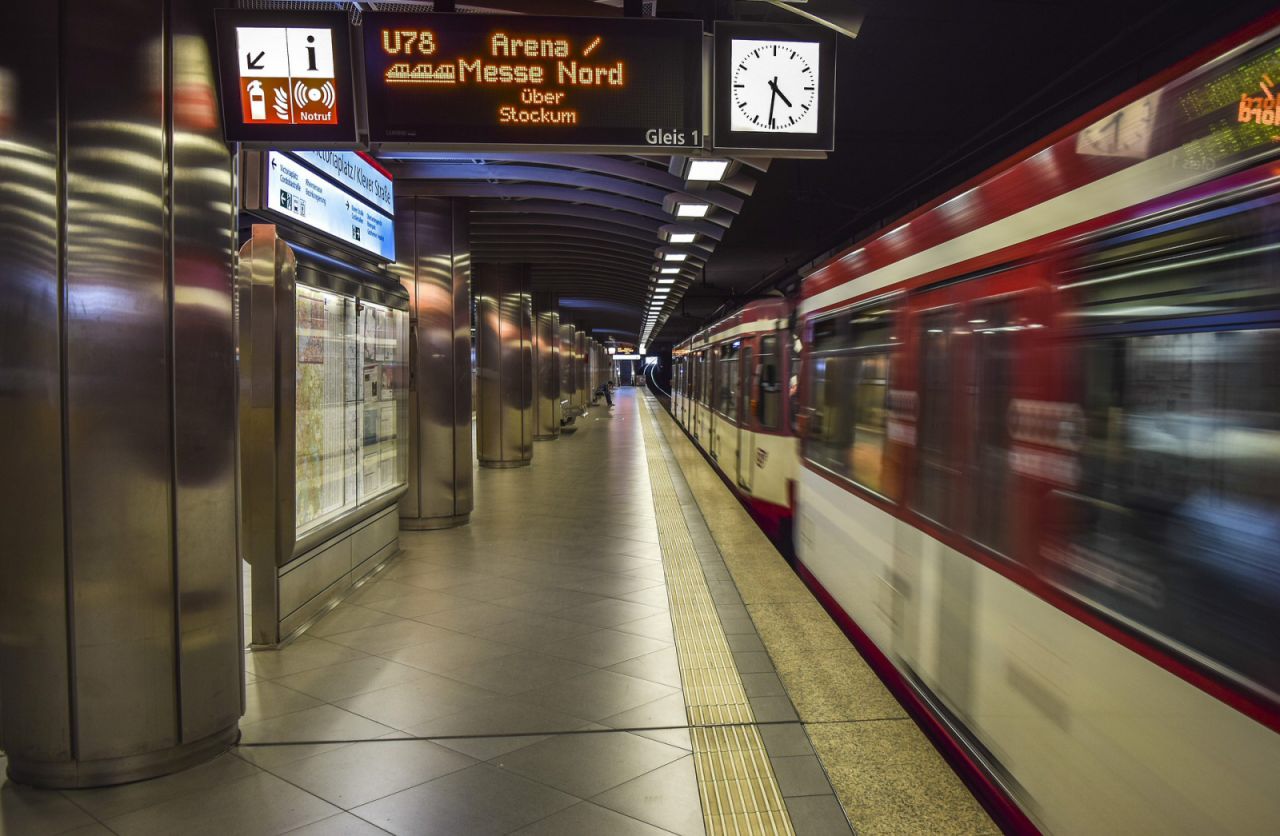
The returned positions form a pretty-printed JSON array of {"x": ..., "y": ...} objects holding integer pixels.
[
  {"x": 689, "y": 209},
  {"x": 706, "y": 170},
  {"x": 674, "y": 256}
]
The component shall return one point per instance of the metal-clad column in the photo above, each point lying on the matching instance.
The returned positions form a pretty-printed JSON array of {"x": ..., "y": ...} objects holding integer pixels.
[
  {"x": 546, "y": 352},
  {"x": 582, "y": 382},
  {"x": 504, "y": 362},
  {"x": 568, "y": 381},
  {"x": 120, "y": 624},
  {"x": 435, "y": 267}
]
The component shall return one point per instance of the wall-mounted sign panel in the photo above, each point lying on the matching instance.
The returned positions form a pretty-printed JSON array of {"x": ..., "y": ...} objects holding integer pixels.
[
  {"x": 774, "y": 87},
  {"x": 296, "y": 189},
  {"x": 286, "y": 78},
  {"x": 502, "y": 80}
]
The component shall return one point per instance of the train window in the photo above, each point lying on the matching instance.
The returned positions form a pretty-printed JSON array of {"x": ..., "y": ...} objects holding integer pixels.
[
  {"x": 1175, "y": 519},
  {"x": 848, "y": 372},
  {"x": 990, "y": 520},
  {"x": 934, "y": 446},
  {"x": 769, "y": 398},
  {"x": 727, "y": 381}
]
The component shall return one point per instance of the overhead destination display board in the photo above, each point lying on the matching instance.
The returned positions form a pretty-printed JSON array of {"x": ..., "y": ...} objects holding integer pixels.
[
  {"x": 503, "y": 80},
  {"x": 336, "y": 193},
  {"x": 286, "y": 78},
  {"x": 774, "y": 87}
]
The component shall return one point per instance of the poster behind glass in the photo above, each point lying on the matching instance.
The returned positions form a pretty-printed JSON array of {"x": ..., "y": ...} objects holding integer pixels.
[
  {"x": 351, "y": 404},
  {"x": 325, "y": 443}
]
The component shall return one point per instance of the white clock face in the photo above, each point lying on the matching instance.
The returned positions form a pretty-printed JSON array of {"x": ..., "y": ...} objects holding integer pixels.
[
  {"x": 774, "y": 87},
  {"x": 1125, "y": 133}
]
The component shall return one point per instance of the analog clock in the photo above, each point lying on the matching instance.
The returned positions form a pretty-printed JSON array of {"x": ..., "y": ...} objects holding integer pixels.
[{"x": 774, "y": 86}]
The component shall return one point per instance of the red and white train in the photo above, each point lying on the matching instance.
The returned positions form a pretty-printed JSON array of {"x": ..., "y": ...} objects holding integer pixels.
[{"x": 1037, "y": 456}]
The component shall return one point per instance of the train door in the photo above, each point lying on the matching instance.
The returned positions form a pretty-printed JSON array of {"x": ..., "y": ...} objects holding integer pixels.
[
  {"x": 746, "y": 416},
  {"x": 716, "y": 379},
  {"x": 697, "y": 396}
]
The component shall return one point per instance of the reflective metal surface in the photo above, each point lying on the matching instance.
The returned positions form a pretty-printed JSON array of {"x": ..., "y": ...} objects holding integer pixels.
[
  {"x": 504, "y": 359},
  {"x": 435, "y": 268},
  {"x": 546, "y": 347},
  {"x": 119, "y": 656},
  {"x": 568, "y": 378}
]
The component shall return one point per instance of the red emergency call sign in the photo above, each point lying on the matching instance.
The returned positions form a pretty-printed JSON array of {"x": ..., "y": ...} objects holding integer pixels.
[{"x": 286, "y": 78}]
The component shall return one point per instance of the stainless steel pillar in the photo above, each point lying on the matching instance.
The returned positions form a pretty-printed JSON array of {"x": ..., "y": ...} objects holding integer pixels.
[
  {"x": 568, "y": 378},
  {"x": 581, "y": 374},
  {"x": 546, "y": 353},
  {"x": 435, "y": 266},
  {"x": 504, "y": 360},
  {"x": 120, "y": 645}
]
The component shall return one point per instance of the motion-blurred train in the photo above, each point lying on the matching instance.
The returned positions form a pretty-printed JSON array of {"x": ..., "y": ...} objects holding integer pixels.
[{"x": 1029, "y": 440}]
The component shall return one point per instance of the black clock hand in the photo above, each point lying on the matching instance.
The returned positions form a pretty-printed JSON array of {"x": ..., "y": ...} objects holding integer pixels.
[
  {"x": 781, "y": 95},
  {"x": 773, "y": 98}
]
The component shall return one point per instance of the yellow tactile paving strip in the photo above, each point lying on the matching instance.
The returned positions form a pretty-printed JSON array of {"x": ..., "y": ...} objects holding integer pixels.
[{"x": 739, "y": 791}]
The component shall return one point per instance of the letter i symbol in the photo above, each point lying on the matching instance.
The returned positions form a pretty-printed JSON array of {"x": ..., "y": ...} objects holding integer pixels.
[{"x": 311, "y": 53}]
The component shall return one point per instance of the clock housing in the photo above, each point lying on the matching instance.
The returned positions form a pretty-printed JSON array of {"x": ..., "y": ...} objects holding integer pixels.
[{"x": 774, "y": 87}]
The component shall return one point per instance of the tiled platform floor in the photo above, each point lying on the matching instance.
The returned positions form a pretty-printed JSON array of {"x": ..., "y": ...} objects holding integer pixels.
[{"x": 518, "y": 644}]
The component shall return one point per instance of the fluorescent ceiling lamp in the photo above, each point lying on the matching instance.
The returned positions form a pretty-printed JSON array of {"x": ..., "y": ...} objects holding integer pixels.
[
  {"x": 685, "y": 209},
  {"x": 682, "y": 237},
  {"x": 674, "y": 256},
  {"x": 706, "y": 170},
  {"x": 666, "y": 281},
  {"x": 669, "y": 271}
]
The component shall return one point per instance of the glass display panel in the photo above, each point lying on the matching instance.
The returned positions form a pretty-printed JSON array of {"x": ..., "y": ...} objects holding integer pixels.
[
  {"x": 324, "y": 430},
  {"x": 769, "y": 403},
  {"x": 351, "y": 404}
]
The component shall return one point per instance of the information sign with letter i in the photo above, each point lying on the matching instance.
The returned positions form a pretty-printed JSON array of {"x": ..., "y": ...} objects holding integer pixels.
[{"x": 286, "y": 78}]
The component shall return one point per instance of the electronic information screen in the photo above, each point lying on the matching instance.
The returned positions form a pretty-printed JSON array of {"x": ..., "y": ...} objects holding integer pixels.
[{"x": 568, "y": 82}]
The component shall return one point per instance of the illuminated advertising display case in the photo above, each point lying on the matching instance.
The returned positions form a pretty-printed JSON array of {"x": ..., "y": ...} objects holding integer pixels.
[{"x": 324, "y": 368}]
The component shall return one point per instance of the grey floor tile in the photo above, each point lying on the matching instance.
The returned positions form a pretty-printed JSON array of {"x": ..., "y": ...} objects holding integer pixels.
[
  {"x": 408, "y": 704},
  {"x": 95, "y": 829},
  {"x": 599, "y": 694},
  {"x": 261, "y": 804},
  {"x": 479, "y": 800},
  {"x": 319, "y": 724},
  {"x": 609, "y": 612},
  {"x": 548, "y": 601},
  {"x": 449, "y": 652},
  {"x": 499, "y": 717},
  {"x": 587, "y": 819},
  {"x": 473, "y": 617},
  {"x": 738, "y": 626},
  {"x": 587, "y": 764},
  {"x": 800, "y": 775},
  {"x": 772, "y": 709},
  {"x": 347, "y": 679},
  {"x": 743, "y": 642},
  {"x": 785, "y": 740},
  {"x": 533, "y": 631},
  {"x": 416, "y": 602},
  {"x": 364, "y": 772},
  {"x": 268, "y": 757},
  {"x": 109, "y": 802},
  {"x": 666, "y": 711},
  {"x": 657, "y": 626},
  {"x": 302, "y": 655},
  {"x": 762, "y": 685},
  {"x": 385, "y": 638},
  {"x": 343, "y": 824},
  {"x": 491, "y": 589},
  {"x": 603, "y": 647},
  {"x": 347, "y": 617},
  {"x": 654, "y": 596},
  {"x": 662, "y": 666},
  {"x": 818, "y": 815},
  {"x": 26, "y": 811},
  {"x": 518, "y": 673},
  {"x": 265, "y": 698},
  {"x": 666, "y": 798},
  {"x": 753, "y": 662}
]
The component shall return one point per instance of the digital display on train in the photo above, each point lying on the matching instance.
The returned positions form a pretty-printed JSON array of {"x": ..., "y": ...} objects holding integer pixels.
[{"x": 463, "y": 80}]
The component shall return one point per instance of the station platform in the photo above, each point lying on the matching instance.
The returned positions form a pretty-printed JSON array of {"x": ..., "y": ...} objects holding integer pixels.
[{"x": 610, "y": 647}]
